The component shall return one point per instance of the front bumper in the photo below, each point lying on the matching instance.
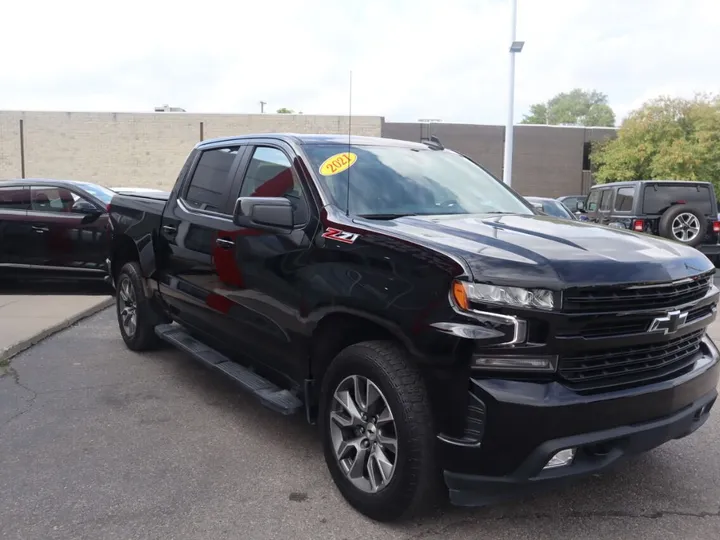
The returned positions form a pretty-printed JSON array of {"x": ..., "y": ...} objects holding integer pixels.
[{"x": 526, "y": 423}]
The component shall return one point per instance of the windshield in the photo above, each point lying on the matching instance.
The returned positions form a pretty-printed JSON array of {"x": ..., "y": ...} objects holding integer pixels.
[
  {"x": 390, "y": 181},
  {"x": 104, "y": 194}
]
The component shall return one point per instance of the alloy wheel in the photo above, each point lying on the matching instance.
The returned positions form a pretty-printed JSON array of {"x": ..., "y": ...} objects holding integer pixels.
[
  {"x": 686, "y": 227},
  {"x": 127, "y": 306},
  {"x": 363, "y": 434}
]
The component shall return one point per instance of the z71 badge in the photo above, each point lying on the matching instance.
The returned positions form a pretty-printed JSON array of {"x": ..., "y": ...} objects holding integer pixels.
[{"x": 340, "y": 236}]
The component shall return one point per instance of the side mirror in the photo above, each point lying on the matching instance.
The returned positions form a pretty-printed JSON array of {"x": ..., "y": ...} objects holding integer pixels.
[
  {"x": 538, "y": 206},
  {"x": 84, "y": 207},
  {"x": 580, "y": 206},
  {"x": 267, "y": 213}
]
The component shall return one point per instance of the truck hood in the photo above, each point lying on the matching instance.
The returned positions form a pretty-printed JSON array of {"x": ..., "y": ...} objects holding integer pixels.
[{"x": 540, "y": 251}]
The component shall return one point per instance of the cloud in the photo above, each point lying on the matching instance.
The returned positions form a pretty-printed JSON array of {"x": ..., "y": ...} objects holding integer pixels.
[{"x": 410, "y": 59}]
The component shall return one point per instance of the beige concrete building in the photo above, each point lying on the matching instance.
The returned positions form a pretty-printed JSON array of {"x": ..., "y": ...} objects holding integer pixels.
[{"x": 136, "y": 149}]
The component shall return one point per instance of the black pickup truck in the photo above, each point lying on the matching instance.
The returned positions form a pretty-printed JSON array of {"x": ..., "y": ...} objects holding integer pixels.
[{"x": 436, "y": 328}]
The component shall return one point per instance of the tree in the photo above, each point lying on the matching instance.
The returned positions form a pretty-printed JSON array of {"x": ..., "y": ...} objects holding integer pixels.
[
  {"x": 575, "y": 108},
  {"x": 667, "y": 138},
  {"x": 285, "y": 110}
]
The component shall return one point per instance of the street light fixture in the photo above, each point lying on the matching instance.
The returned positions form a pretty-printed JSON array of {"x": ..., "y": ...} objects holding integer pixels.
[{"x": 515, "y": 47}]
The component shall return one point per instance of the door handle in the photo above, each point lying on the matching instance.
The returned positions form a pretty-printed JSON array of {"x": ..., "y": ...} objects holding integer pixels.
[
  {"x": 169, "y": 229},
  {"x": 40, "y": 229},
  {"x": 224, "y": 243}
]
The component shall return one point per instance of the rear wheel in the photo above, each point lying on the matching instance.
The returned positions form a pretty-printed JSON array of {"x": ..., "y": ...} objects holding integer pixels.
[
  {"x": 376, "y": 425},
  {"x": 136, "y": 317}
]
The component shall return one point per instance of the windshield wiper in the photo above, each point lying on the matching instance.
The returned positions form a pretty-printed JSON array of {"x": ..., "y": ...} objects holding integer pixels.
[{"x": 384, "y": 216}]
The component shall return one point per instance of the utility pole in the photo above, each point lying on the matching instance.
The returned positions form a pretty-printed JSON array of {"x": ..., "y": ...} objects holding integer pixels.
[
  {"x": 262, "y": 106},
  {"x": 515, "y": 47}
]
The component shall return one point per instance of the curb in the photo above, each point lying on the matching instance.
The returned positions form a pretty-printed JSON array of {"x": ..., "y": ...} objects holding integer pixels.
[{"x": 15, "y": 349}]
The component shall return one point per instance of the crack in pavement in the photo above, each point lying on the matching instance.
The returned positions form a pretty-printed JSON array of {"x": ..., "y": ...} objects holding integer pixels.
[
  {"x": 29, "y": 401},
  {"x": 459, "y": 524}
]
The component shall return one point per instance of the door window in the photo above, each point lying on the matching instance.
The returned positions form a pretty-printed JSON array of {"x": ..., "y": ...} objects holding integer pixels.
[
  {"x": 269, "y": 174},
  {"x": 605, "y": 200},
  {"x": 14, "y": 198},
  {"x": 54, "y": 199},
  {"x": 593, "y": 200},
  {"x": 209, "y": 187},
  {"x": 624, "y": 199}
]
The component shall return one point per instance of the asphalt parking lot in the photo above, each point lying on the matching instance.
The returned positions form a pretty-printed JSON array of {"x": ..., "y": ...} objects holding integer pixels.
[{"x": 99, "y": 442}]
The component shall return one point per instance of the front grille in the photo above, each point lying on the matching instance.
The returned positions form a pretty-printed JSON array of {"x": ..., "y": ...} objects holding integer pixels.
[
  {"x": 630, "y": 366},
  {"x": 638, "y": 297},
  {"x": 604, "y": 327}
]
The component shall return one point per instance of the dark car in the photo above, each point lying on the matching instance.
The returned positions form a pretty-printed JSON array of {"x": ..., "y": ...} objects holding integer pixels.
[
  {"x": 682, "y": 211},
  {"x": 552, "y": 207},
  {"x": 575, "y": 203},
  {"x": 54, "y": 229},
  {"x": 421, "y": 312}
]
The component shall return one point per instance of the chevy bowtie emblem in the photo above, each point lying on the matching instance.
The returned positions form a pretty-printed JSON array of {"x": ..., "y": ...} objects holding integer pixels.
[{"x": 670, "y": 323}]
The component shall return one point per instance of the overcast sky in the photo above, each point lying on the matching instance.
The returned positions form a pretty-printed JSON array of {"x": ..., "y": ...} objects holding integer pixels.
[{"x": 410, "y": 59}]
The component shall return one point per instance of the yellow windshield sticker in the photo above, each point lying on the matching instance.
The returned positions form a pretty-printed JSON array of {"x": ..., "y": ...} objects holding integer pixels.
[{"x": 337, "y": 163}]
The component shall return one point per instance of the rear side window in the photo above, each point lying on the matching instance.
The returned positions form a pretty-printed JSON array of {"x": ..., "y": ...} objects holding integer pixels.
[
  {"x": 605, "y": 201},
  {"x": 658, "y": 198},
  {"x": 14, "y": 198},
  {"x": 624, "y": 199},
  {"x": 593, "y": 200},
  {"x": 209, "y": 187}
]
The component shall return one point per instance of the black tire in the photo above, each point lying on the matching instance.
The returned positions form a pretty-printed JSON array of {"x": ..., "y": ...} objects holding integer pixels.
[
  {"x": 414, "y": 482},
  {"x": 144, "y": 337},
  {"x": 666, "y": 222}
]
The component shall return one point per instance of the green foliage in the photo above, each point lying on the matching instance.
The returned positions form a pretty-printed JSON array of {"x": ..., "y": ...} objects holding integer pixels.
[
  {"x": 575, "y": 108},
  {"x": 285, "y": 110},
  {"x": 667, "y": 138}
]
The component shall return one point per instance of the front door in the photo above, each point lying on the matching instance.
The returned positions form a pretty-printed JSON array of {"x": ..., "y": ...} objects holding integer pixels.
[
  {"x": 70, "y": 233},
  {"x": 260, "y": 270},
  {"x": 606, "y": 203}
]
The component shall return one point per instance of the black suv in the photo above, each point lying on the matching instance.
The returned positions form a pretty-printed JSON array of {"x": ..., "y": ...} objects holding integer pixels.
[{"x": 682, "y": 211}]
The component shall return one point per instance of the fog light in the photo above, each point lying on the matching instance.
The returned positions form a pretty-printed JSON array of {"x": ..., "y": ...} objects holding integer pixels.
[
  {"x": 515, "y": 363},
  {"x": 561, "y": 459}
]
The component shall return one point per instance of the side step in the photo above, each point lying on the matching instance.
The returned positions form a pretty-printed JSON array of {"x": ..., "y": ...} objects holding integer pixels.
[{"x": 269, "y": 394}]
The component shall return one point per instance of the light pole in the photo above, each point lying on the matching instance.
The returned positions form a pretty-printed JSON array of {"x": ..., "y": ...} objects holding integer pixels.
[{"x": 515, "y": 47}]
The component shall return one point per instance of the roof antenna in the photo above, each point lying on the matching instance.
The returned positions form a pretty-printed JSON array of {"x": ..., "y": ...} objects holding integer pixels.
[{"x": 347, "y": 200}]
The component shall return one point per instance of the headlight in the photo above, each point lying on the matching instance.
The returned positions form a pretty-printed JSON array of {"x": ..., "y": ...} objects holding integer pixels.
[{"x": 511, "y": 296}]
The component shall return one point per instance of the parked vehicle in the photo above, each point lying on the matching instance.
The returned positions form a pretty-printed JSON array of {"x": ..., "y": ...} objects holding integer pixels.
[
  {"x": 552, "y": 207},
  {"x": 54, "y": 229},
  {"x": 421, "y": 312},
  {"x": 136, "y": 190},
  {"x": 684, "y": 212},
  {"x": 576, "y": 203}
]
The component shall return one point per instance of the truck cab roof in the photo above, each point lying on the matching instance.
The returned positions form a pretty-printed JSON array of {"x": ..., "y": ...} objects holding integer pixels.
[{"x": 318, "y": 138}]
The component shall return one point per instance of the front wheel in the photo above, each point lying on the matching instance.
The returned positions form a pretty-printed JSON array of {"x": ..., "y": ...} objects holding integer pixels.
[
  {"x": 377, "y": 431},
  {"x": 136, "y": 317}
]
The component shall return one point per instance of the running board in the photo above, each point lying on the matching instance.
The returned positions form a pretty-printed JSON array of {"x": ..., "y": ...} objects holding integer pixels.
[{"x": 269, "y": 394}]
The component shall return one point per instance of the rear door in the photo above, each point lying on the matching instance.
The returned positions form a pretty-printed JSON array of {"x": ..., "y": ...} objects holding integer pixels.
[
  {"x": 623, "y": 206},
  {"x": 15, "y": 231},
  {"x": 196, "y": 220},
  {"x": 70, "y": 232}
]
